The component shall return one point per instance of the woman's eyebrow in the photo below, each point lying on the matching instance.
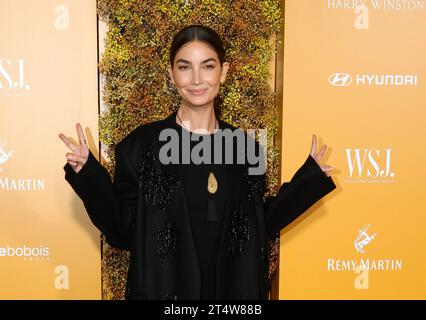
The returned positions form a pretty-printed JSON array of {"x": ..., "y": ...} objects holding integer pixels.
[{"x": 188, "y": 62}]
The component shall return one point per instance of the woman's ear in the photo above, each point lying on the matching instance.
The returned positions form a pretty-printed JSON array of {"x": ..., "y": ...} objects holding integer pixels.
[
  {"x": 169, "y": 69},
  {"x": 225, "y": 68}
]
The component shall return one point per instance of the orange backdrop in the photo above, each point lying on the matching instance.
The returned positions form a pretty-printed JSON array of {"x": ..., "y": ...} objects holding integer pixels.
[
  {"x": 355, "y": 77},
  {"x": 48, "y": 81}
]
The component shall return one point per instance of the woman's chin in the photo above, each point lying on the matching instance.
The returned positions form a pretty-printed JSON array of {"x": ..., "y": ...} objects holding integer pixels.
[{"x": 199, "y": 102}]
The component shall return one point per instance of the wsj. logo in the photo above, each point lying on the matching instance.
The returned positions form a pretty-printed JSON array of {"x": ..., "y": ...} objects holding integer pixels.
[
  {"x": 363, "y": 239},
  {"x": 341, "y": 79},
  {"x": 357, "y": 158},
  {"x": 12, "y": 78},
  {"x": 4, "y": 155}
]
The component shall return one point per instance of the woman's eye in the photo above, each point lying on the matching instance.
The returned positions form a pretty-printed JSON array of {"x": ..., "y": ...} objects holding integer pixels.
[{"x": 208, "y": 67}]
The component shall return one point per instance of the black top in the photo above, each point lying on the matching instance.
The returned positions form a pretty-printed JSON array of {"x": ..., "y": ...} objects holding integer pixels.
[{"x": 206, "y": 228}]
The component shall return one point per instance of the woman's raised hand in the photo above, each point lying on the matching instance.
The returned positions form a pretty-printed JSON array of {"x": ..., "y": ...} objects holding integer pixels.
[
  {"x": 318, "y": 156},
  {"x": 80, "y": 153}
]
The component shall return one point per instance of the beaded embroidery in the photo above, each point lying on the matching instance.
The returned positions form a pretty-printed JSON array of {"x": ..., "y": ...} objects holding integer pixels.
[
  {"x": 240, "y": 231},
  {"x": 158, "y": 185},
  {"x": 169, "y": 296},
  {"x": 265, "y": 259},
  {"x": 167, "y": 238},
  {"x": 256, "y": 187}
]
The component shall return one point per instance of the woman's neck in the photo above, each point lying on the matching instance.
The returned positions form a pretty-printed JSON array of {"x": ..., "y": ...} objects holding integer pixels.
[{"x": 197, "y": 119}]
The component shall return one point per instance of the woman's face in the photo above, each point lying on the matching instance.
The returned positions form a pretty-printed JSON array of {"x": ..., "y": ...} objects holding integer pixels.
[{"x": 197, "y": 73}]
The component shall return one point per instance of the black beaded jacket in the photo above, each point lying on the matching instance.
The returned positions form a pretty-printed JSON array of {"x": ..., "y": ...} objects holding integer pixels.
[{"x": 143, "y": 210}]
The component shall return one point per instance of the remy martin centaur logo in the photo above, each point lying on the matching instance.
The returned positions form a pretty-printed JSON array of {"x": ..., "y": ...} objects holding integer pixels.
[
  {"x": 363, "y": 263},
  {"x": 16, "y": 184},
  {"x": 363, "y": 239},
  {"x": 5, "y": 155}
]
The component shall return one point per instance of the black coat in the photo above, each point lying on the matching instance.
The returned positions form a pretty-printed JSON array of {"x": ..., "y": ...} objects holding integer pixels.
[{"x": 143, "y": 210}]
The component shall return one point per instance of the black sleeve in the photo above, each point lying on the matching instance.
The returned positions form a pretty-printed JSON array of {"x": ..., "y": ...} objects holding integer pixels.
[
  {"x": 308, "y": 185},
  {"x": 110, "y": 205}
]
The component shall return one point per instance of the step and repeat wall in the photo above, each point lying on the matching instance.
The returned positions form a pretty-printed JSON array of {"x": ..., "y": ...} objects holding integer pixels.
[
  {"x": 354, "y": 74},
  {"x": 48, "y": 82}
]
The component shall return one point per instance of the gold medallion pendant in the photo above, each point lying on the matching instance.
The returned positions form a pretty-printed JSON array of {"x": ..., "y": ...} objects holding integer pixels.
[
  {"x": 211, "y": 214},
  {"x": 212, "y": 183}
]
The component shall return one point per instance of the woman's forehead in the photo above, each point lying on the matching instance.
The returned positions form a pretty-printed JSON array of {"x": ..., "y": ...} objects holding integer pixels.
[{"x": 195, "y": 50}]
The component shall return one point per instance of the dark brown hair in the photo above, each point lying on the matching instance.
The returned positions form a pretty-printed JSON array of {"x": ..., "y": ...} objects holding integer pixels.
[{"x": 200, "y": 33}]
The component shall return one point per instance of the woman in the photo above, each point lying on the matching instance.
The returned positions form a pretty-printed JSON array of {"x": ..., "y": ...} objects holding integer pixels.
[{"x": 195, "y": 229}]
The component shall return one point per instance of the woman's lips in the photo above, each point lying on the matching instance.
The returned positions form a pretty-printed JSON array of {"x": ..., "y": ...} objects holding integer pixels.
[{"x": 197, "y": 92}]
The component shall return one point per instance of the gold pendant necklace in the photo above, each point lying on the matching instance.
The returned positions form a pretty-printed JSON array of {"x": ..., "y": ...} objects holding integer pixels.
[
  {"x": 211, "y": 214},
  {"x": 212, "y": 183}
]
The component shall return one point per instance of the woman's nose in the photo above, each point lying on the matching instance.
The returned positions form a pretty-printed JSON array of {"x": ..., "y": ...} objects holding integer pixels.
[{"x": 196, "y": 78}]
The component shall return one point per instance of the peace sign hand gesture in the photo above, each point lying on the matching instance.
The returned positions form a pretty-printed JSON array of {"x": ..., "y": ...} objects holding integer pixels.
[
  {"x": 318, "y": 156},
  {"x": 80, "y": 153}
]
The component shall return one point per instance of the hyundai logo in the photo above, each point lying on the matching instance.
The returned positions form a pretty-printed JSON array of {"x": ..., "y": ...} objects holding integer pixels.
[{"x": 340, "y": 79}]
